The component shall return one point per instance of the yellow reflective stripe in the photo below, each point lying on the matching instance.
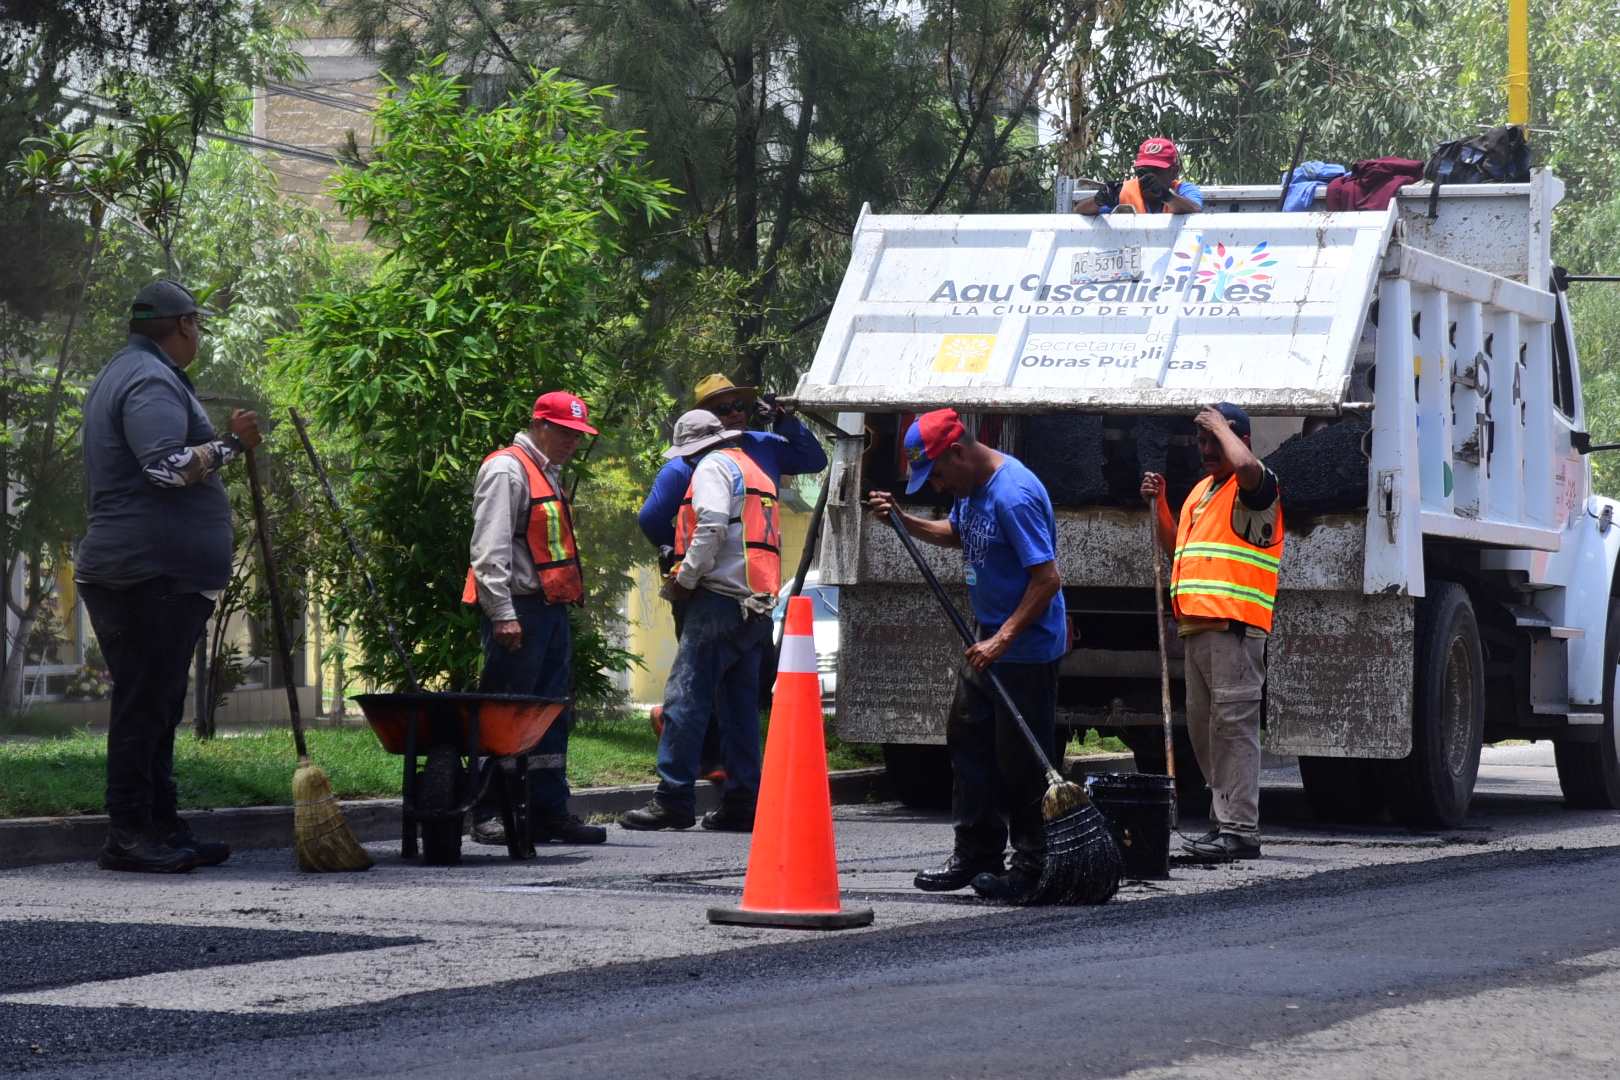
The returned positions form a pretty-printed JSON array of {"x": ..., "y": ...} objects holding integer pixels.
[
  {"x": 1222, "y": 588},
  {"x": 1211, "y": 550}
]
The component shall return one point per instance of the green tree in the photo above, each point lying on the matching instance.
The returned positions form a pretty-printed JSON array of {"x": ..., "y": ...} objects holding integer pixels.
[{"x": 505, "y": 273}]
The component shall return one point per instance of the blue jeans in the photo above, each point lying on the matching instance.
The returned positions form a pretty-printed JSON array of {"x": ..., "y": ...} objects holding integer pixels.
[
  {"x": 716, "y": 672},
  {"x": 543, "y": 666}
]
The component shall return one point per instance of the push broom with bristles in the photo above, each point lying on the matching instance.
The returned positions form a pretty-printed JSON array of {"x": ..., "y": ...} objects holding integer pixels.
[
  {"x": 321, "y": 838},
  {"x": 1082, "y": 864}
]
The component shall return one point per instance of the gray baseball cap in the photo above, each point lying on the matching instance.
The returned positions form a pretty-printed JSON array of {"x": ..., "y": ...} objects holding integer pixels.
[
  {"x": 164, "y": 299},
  {"x": 697, "y": 431}
]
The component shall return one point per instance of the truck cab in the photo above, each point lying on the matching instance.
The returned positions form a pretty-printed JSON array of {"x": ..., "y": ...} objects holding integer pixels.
[{"x": 1448, "y": 577}]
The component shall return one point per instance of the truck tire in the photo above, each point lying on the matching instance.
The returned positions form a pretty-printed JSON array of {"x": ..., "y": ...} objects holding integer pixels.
[
  {"x": 436, "y": 791},
  {"x": 1147, "y": 746},
  {"x": 1342, "y": 790},
  {"x": 1433, "y": 785},
  {"x": 919, "y": 774},
  {"x": 1589, "y": 772}
]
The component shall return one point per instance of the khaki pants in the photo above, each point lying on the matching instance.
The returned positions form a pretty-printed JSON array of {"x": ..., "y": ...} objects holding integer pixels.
[{"x": 1225, "y": 672}]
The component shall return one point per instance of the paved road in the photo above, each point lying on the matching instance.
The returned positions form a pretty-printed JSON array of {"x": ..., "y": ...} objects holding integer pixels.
[{"x": 1492, "y": 951}]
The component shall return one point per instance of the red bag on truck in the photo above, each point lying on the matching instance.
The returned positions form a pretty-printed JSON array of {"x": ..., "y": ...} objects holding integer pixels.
[{"x": 1369, "y": 185}]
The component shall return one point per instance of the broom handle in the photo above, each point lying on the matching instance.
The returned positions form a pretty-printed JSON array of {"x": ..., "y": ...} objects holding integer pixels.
[
  {"x": 360, "y": 560},
  {"x": 968, "y": 638},
  {"x": 272, "y": 586},
  {"x": 1164, "y": 652}
]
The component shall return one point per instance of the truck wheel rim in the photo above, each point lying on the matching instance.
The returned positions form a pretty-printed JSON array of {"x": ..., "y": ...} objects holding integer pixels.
[{"x": 1457, "y": 703}]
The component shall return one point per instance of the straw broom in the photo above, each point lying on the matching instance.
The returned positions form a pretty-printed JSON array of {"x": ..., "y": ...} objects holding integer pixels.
[{"x": 321, "y": 838}]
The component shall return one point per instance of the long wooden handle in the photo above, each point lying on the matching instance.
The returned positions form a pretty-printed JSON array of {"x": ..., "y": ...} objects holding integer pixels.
[
  {"x": 360, "y": 561},
  {"x": 969, "y": 640},
  {"x": 272, "y": 585},
  {"x": 1164, "y": 661}
]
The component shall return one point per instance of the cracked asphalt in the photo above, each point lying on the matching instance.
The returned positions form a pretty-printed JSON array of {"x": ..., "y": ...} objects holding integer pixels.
[{"x": 1488, "y": 951}]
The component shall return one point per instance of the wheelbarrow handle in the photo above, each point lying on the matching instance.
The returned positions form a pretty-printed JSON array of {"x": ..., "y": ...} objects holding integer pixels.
[{"x": 968, "y": 638}]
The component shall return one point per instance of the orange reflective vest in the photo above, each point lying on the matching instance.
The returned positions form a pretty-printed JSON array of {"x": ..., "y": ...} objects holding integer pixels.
[
  {"x": 549, "y": 535},
  {"x": 1217, "y": 573},
  {"x": 1130, "y": 194},
  {"x": 761, "y": 521}
]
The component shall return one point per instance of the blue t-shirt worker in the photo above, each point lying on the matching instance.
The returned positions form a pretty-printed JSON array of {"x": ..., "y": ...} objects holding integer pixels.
[{"x": 1002, "y": 520}]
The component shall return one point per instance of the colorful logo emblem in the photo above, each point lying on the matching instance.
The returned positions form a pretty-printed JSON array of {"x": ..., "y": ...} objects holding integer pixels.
[
  {"x": 1221, "y": 266},
  {"x": 578, "y": 409}
]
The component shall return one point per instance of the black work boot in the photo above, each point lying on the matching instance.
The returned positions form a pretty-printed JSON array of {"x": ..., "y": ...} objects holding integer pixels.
[
  {"x": 1225, "y": 847},
  {"x": 955, "y": 874},
  {"x": 655, "y": 815},
  {"x": 179, "y": 835},
  {"x": 567, "y": 829},
  {"x": 136, "y": 851},
  {"x": 732, "y": 816},
  {"x": 1013, "y": 887}
]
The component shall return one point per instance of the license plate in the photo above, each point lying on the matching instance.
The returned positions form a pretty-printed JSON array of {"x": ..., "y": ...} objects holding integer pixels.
[{"x": 1107, "y": 264}]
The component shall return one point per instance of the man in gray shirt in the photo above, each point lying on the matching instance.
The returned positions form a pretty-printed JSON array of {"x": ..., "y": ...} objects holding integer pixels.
[
  {"x": 524, "y": 574},
  {"x": 153, "y": 559}
]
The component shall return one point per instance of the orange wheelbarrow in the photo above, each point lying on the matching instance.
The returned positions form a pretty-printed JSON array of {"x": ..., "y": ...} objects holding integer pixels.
[{"x": 457, "y": 748}]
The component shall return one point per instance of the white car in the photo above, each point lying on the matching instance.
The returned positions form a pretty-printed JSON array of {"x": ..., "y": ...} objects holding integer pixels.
[{"x": 824, "y": 599}]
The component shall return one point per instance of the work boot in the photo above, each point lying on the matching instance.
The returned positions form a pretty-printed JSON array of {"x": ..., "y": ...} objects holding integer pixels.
[
  {"x": 957, "y": 873},
  {"x": 1224, "y": 848},
  {"x": 655, "y": 815},
  {"x": 1013, "y": 887},
  {"x": 180, "y": 837},
  {"x": 491, "y": 831},
  {"x": 136, "y": 851},
  {"x": 730, "y": 817},
  {"x": 567, "y": 829}
]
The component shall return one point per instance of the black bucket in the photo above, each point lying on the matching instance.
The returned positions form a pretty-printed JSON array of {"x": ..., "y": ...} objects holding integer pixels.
[{"x": 1138, "y": 807}]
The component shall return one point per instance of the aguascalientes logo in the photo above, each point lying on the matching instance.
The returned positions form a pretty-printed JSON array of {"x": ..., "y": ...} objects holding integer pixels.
[{"x": 1221, "y": 266}]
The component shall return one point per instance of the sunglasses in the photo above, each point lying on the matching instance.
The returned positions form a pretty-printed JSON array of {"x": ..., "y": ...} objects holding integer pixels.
[{"x": 729, "y": 407}]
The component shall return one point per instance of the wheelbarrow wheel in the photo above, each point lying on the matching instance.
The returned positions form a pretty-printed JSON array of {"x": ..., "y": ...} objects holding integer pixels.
[{"x": 436, "y": 793}]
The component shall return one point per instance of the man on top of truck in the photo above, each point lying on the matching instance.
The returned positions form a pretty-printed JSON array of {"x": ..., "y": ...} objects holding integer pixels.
[
  {"x": 1223, "y": 584},
  {"x": 1002, "y": 520},
  {"x": 1155, "y": 189}
]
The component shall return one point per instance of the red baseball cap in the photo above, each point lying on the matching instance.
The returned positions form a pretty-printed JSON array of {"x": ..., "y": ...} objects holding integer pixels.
[
  {"x": 1157, "y": 153},
  {"x": 929, "y": 436},
  {"x": 565, "y": 410}
]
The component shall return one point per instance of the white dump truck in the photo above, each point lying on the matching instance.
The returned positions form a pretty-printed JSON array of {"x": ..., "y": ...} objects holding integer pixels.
[{"x": 1449, "y": 576}]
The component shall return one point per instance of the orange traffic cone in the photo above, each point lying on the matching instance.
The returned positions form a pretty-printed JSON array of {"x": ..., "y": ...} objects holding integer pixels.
[{"x": 793, "y": 865}]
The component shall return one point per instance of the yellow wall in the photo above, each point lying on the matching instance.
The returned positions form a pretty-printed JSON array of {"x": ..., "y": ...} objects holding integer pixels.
[{"x": 652, "y": 631}]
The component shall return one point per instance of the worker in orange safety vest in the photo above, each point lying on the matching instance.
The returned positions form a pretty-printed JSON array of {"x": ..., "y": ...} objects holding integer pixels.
[
  {"x": 728, "y": 540},
  {"x": 1155, "y": 188},
  {"x": 524, "y": 575},
  {"x": 1228, "y": 547}
]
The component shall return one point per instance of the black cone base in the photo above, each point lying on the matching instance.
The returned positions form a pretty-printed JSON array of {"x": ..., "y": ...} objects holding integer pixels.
[{"x": 847, "y": 919}]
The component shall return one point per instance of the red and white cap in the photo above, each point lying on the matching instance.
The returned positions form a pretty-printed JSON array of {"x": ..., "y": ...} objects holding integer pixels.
[
  {"x": 1157, "y": 153},
  {"x": 565, "y": 410}
]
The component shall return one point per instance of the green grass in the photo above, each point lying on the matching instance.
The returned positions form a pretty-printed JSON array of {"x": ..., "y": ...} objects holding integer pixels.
[
  {"x": 67, "y": 775},
  {"x": 1092, "y": 744}
]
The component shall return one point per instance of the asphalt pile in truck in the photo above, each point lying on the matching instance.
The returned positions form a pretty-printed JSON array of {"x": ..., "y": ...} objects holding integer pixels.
[{"x": 1324, "y": 471}]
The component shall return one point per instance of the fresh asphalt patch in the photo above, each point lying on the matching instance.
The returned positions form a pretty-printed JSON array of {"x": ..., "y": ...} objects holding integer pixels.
[
  {"x": 1132, "y": 981},
  {"x": 44, "y": 954}
]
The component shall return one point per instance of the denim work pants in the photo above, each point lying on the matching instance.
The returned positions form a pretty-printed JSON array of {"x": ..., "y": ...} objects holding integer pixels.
[
  {"x": 543, "y": 665},
  {"x": 998, "y": 783},
  {"x": 147, "y": 633},
  {"x": 716, "y": 672}
]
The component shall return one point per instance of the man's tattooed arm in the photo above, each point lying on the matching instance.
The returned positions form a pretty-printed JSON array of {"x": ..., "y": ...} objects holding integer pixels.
[{"x": 192, "y": 464}]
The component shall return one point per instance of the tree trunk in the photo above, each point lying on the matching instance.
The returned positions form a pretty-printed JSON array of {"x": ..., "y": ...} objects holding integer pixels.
[
  {"x": 745, "y": 257},
  {"x": 340, "y": 703}
]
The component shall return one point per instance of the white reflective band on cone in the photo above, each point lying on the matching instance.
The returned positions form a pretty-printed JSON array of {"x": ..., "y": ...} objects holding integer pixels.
[{"x": 798, "y": 655}]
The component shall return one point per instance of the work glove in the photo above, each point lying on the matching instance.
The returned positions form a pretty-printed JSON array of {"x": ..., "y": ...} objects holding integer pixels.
[{"x": 1107, "y": 197}]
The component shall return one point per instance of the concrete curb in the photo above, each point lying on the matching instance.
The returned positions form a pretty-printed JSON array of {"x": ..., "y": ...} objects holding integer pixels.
[{"x": 32, "y": 841}]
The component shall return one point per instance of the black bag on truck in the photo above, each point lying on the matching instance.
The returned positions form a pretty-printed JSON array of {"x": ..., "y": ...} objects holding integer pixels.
[{"x": 1500, "y": 156}]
